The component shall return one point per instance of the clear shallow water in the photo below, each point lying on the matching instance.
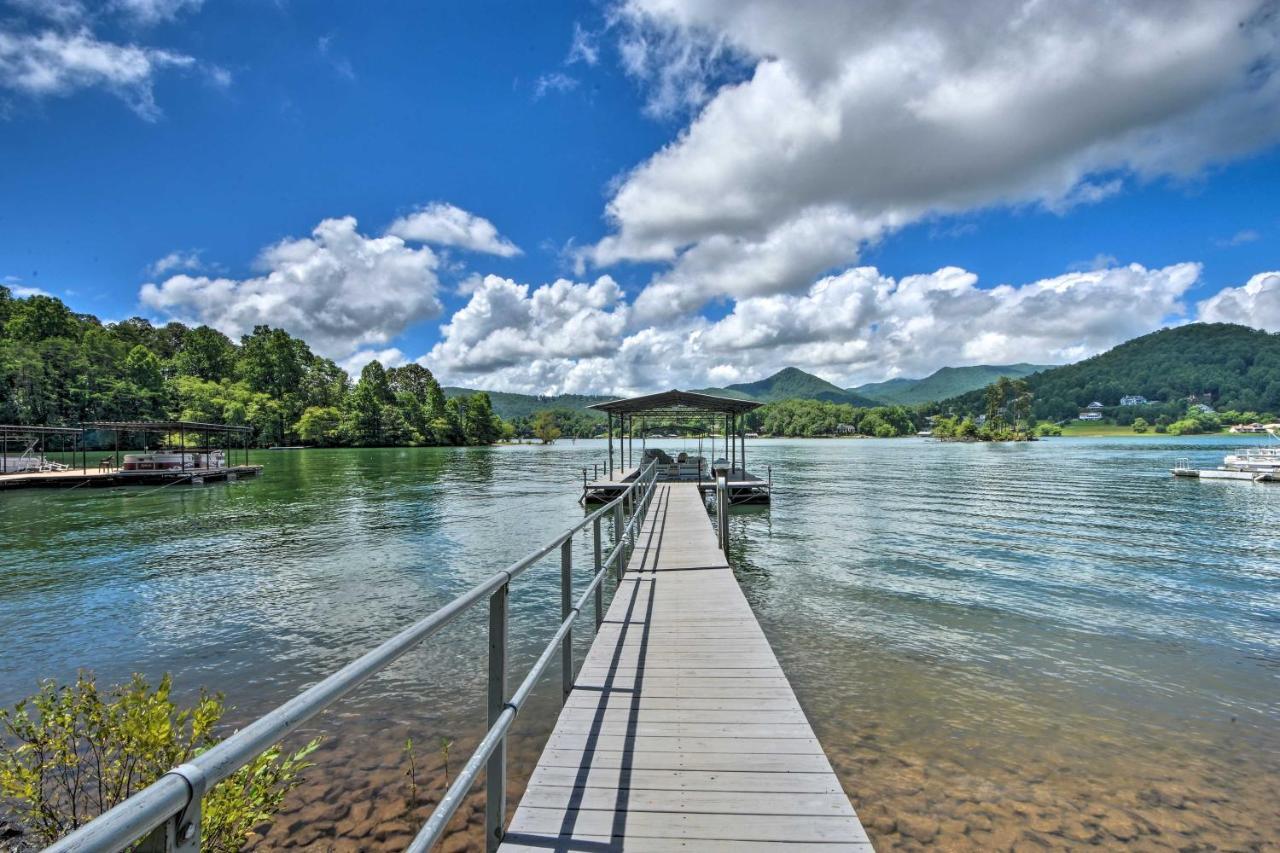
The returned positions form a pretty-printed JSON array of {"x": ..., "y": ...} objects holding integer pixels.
[{"x": 1053, "y": 642}]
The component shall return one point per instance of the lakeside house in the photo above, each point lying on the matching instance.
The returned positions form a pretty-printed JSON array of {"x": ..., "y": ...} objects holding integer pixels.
[
  {"x": 845, "y": 429},
  {"x": 1134, "y": 400},
  {"x": 1252, "y": 428},
  {"x": 1091, "y": 412}
]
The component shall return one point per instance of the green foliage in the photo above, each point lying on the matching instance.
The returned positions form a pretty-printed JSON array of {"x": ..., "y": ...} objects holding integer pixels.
[
  {"x": 545, "y": 428},
  {"x": 1195, "y": 422},
  {"x": 1140, "y": 425},
  {"x": 807, "y": 418},
  {"x": 1046, "y": 428},
  {"x": 70, "y": 753},
  {"x": 57, "y": 367}
]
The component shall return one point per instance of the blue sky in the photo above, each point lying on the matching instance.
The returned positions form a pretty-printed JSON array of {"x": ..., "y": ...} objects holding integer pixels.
[{"x": 694, "y": 178}]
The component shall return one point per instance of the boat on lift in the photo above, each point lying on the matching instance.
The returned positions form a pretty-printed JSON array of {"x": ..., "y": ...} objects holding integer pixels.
[{"x": 174, "y": 460}]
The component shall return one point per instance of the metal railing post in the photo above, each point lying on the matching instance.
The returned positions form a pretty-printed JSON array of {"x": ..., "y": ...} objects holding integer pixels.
[
  {"x": 584, "y": 478},
  {"x": 495, "y": 801},
  {"x": 620, "y": 562},
  {"x": 566, "y": 605},
  {"x": 595, "y": 530},
  {"x": 722, "y": 513}
]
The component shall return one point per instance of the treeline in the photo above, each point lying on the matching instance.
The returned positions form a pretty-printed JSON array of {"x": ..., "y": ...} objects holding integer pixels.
[
  {"x": 809, "y": 418},
  {"x": 60, "y": 367},
  {"x": 1228, "y": 366}
]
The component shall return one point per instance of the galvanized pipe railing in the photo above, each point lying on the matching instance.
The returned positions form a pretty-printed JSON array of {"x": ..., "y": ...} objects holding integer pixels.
[{"x": 166, "y": 814}]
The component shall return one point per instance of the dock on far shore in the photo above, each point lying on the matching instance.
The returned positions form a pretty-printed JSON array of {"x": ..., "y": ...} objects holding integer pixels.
[{"x": 71, "y": 478}]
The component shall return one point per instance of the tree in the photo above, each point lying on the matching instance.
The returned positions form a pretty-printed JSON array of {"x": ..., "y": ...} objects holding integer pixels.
[
  {"x": 365, "y": 406},
  {"x": 319, "y": 425},
  {"x": 38, "y": 318},
  {"x": 480, "y": 424},
  {"x": 206, "y": 354},
  {"x": 1140, "y": 425},
  {"x": 545, "y": 428}
]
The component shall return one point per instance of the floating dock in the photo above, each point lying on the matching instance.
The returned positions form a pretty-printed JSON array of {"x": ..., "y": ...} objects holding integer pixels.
[
  {"x": 1226, "y": 474},
  {"x": 744, "y": 487},
  {"x": 75, "y": 477},
  {"x": 681, "y": 731}
]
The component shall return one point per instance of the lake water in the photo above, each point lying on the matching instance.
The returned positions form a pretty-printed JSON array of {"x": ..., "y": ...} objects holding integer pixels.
[{"x": 1053, "y": 643}]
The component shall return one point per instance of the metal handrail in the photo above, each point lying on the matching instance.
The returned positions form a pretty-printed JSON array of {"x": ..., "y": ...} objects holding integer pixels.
[{"x": 167, "y": 813}]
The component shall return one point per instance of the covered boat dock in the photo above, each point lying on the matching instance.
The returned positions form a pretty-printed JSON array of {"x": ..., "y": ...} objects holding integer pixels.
[
  {"x": 628, "y": 417},
  {"x": 108, "y": 470}
]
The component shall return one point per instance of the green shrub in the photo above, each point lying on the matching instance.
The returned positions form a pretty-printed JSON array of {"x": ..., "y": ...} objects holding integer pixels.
[
  {"x": 1140, "y": 425},
  {"x": 68, "y": 754}
]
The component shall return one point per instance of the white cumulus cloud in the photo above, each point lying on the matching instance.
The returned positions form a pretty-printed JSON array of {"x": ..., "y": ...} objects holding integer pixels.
[
  {"x": 1255, "y": 303},
  {"x": 53, "y": 63},
  {"x": 443, "y": 224},
  {"x": 506, "y": 324},
  {"x": 878, "y": 114},
  {"x": 855, "y": 326},
  {"x": 338, "y": 289}
]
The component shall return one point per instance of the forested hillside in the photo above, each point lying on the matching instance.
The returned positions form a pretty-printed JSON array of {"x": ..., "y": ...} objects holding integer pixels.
[
  {"x": 791, "y": 383},
  {"x": 1226, "y": 366},
  {"x": 513, "y": 407},
  {"x": 58, "y": 367},
  {"x": 945, "y": 383}
]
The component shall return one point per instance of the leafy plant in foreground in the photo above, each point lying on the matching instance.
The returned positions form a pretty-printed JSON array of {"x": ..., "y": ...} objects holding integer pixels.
[{"x": 68, "y": 754}]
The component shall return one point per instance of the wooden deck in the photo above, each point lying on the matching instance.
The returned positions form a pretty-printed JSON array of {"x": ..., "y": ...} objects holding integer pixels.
[{"x": 682, "y": 732}]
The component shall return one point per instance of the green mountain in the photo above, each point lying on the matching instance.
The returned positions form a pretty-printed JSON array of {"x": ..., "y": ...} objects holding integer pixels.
[
  {"x": 1233, "y": 367},
  {"x": 945, "y": 383},
  {"x": 510, "y": 406},
  {"x": 791, "y": 383}
]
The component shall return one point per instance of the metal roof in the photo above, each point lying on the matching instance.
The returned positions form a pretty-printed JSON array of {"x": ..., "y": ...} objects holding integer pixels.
[
  {"x": 677, "y": 402},
  {"x": 13, "y": 429},
  {"x": 156, "y": 426}
]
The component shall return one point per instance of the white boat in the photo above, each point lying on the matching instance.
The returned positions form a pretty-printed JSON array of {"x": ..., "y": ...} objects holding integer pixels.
[
  {"x": 1258, "y": 464},
  {"x": 174, "y": 460}
]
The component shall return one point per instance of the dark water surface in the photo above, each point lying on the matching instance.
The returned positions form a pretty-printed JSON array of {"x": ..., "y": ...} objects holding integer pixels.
[{"x": 1053, "y": 644}]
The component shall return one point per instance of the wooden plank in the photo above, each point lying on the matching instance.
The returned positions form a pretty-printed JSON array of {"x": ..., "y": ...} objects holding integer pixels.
[
  {"x": 604, "y": 844},
  {"x": 718, "y": 762},
  {"x": 531, "y": 820},
  {"x": 686, "y": 800},
  {"x": 611, "y": 778}
]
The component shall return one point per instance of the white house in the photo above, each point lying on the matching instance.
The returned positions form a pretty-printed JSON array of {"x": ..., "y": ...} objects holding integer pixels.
[
  {"x": 1133, "y": 400},
  {"x": 1095, "y": 406},
  {"x": 1090, "y": 415}
]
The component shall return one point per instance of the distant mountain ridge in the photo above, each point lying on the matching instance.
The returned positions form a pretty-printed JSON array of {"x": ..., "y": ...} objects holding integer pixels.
[
  {"x": 509, "y": 405},
  {"x": 944, "y": 383},
  {"x": 791, "y": 383}
]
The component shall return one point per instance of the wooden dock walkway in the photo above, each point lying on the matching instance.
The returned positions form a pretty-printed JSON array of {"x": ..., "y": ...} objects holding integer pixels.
[{"x": 682, "y": 732}]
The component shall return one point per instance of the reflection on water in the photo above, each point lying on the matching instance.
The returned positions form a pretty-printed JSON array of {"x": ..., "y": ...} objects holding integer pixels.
[{"x": 1054, "y": 643}]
